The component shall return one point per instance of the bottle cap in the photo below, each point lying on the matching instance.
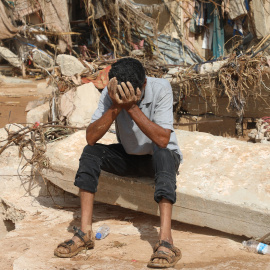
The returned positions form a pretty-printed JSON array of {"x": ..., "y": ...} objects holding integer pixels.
[{"x": 98, "y": 235}]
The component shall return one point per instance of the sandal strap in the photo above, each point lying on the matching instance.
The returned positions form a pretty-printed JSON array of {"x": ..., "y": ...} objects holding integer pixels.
[
  {"x": 163, "y": 255},
  {"x": 67, "y": 244},
  {"x": 163, "y": 243},
  {"x": 79, "y": 234}
]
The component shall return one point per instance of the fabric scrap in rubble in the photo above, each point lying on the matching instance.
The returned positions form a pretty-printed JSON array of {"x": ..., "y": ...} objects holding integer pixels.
[
  {"x": 214, "y": 15},
  {"x": 261, "y": 18},
  {"x": 208, "y": 37},
  {"x": 173, "y": 52},
  {"x": 56, "y": 19},
  {"x": 99, "y": 79},
  {"x": 236, "y": 9},
  {"x": 200, "y": 13},
  {"x": 7, "y": 30}
]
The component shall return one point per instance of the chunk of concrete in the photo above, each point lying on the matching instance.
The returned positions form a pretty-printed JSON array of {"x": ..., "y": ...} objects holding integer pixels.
[
  {"x": 70, "y": 65},
  {"x": 39, "y": 114},
  {"x": 44, "y": 89},
  {"x": 34, "y": 103},
  {"x": 85, "y": 102},
  {"x": 42, "y": 59},
  {"x": 9, "y": 56},
  {"x": 223, "y": 183}
]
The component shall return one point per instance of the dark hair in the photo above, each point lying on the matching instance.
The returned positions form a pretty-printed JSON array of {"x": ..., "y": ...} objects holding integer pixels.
[{"x": 128, "y": 70}]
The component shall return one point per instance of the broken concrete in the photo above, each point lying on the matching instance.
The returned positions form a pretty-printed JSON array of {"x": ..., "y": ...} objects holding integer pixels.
[
  {"x": 38, "y": 114},
  {"x": 85, "y": 102},
  {"x": 262, "y": 132},
  {"x": 70, "y": 65},
  {"x": 223, "y": 183},
  {"x": 42, "y": 59},
  {"x": 32, "y": 215},
  {"x": 9, "y": 56},
  {"x": 45, "y": 89}
]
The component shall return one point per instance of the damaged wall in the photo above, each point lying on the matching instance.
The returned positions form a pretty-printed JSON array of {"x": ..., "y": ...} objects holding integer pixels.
[
  {"x": 56, "y": 18},
  {"x": 7, "y": 30}
]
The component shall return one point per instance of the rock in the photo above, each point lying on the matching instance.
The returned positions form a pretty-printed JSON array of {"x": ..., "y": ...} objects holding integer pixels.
[
  {"x": 223, "y": 183},
  {"x": 85, "y": 102},
  {"x": 34, "y": 103},
  {"x": 44, "y": 88},
  {"x": 9, "y": 56},
  {"x": 42, "y": 59},
  {"x": 262, "y": 132},
  {"x": 211, "y": 67},
  {"x": 13, "y": 80},
  {"x": 39, "y": 114},
  {"x": 70, "y": 65},
  {"x": 137, "y": 53},
  {"x": 67, "y": 104}
]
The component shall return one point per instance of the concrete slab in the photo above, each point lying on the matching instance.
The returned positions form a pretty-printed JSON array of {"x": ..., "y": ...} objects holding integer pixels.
[{"x": 223, "y": 184}]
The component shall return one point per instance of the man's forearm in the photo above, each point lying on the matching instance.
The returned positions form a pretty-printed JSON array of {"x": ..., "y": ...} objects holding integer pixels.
[
  {"x": 156, "y": 133},
  {"x": 96, "y": 130}
]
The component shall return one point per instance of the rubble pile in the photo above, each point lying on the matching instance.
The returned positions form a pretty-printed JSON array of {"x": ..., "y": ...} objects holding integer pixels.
[
  {"x": 262, "y": 132},
  {"x": 209, "y": 49}
]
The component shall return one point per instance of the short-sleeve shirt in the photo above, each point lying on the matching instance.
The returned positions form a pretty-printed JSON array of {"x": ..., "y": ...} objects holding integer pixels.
[{"x": 157, "y": 105}]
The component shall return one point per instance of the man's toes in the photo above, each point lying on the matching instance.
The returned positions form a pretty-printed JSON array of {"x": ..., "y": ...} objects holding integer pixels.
[{"x": 62, "y": 250}]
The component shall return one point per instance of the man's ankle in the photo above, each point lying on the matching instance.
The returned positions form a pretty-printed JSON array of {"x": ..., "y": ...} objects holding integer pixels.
[{"x": 166, "y": 238}]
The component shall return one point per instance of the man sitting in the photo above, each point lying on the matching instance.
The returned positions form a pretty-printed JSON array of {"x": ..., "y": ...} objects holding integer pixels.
[{"x": 142, "y": 110}]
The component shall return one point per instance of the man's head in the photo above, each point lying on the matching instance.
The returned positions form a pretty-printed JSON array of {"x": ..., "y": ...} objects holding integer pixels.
[{"x": 128, "y": 70}]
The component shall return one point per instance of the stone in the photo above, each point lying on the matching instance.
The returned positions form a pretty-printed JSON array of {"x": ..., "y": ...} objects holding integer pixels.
[
  {"x": 42, "y": 59},
  {"x": 223, "y": 183},
  {"x": 9, "y": 56},
  {"x": 70, "y": 65},
  {"x": 44, "y": 89},
  {"x": 85, "y": 102},
  {"x": 38, "y": 114},
  {"x": 34, "y": 103},
  {"x": 211, "y": 67}
]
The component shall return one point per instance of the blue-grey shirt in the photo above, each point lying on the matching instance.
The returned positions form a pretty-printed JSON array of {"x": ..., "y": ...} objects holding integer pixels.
[{"x": 157, "y": 105}]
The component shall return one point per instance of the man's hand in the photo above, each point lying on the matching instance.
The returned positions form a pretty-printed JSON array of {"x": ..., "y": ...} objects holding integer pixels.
[
  {"x": 112, "y": 91},
  {"x": 127, "y": 97}
]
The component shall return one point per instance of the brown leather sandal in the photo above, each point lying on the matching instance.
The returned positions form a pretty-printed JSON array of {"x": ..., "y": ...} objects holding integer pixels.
[
  {"x": 72, "y": 246},
  {"x": 171, "y": 259}
]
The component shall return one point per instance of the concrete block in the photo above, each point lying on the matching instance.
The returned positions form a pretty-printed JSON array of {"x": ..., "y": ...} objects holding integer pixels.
[
  {"x": 85, "y": 101},
  {"x": 224, "y": 184},
  {"x": 39, "y": 114},
  {"x": 70, "y": 65}
]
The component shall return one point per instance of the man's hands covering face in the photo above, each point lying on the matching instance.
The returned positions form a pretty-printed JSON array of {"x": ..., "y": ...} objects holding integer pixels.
[{"x": 123, "y": 95}]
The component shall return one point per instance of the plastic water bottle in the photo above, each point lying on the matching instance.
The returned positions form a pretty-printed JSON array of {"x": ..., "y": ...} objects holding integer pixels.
[
  {"x": 256, "y": 247},
  {"x": 102, "y": 232}
]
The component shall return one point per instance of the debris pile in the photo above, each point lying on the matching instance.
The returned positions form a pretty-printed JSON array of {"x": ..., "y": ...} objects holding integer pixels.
[
  {"x": 262, "y": 132},
  {"x": 210, "y": 49}
]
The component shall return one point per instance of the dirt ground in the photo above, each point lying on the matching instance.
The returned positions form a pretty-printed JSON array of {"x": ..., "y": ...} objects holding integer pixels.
[
  {"x": 133, "y": 234},
  {"x": 128, "y": 246}
]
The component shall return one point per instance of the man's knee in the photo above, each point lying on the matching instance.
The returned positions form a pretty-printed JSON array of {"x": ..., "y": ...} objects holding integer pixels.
[
  {"x": 93, "y": 150},
  {"x": 89, "y": 168}
]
